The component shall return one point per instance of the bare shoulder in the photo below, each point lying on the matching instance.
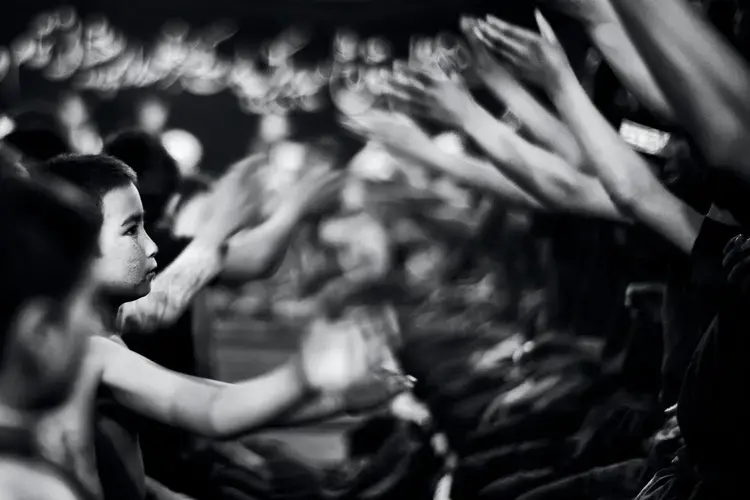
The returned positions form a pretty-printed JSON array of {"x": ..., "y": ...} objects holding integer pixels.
[
  {"x": 24, "y": 481},
  {"x": 104, "y": 350}
]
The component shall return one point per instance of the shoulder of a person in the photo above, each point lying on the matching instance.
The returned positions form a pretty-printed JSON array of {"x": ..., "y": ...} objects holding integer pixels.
[
  {"x": 105, "y": 348},
  {"x": 23, "y": 481}
]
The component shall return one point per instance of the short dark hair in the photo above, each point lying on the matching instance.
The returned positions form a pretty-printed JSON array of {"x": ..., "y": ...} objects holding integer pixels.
[
  {"x": 95, "y": 175},
  {"x": 38, "y": 134},
  {"x": 48, "y": 236},
  {"x": 10, "y": 166},
  {"x": 158, "y": 173}
]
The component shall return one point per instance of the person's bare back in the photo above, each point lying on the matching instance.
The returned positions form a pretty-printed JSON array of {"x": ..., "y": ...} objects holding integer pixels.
[
  {"x": 66, "y": 436},
  {"x": 20, "y": 480}
]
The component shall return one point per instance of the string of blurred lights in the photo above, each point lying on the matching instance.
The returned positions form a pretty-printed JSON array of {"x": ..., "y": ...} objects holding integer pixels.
[{"x": 95, "y": 56}]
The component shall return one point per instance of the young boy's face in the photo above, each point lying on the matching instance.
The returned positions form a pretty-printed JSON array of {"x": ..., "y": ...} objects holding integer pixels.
[{"x": 126, "y": 264}]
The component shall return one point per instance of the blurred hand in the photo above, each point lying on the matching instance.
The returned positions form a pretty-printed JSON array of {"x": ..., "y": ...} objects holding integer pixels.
[
  {"x": 396, "y": 132},
  {"x": 375, "y": 391},
  {"x": 737, "y": 262},
  {"x": 236, "y": 197},
  {"x": 440, "y": 98},
  {"x": 148, "y": 313},
  {"x": 485, "y": 64},
  {"x": 336, "y": 355},
  {"x": 536, "y": 58},
  {"x": 314, "y": 192}
]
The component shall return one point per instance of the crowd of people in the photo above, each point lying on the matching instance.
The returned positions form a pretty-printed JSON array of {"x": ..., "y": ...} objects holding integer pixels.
[{"x": 545, "y": 304}]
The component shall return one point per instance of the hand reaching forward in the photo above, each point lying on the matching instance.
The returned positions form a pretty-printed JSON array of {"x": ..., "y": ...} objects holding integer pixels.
[
  {"x": 537, "y": 58},
  {"x": 314, "y": 192},
  {"x": 396, "y": 132},
  {"x": 440, "y": 98},
  {"x": 236, "y": 197},
  {"x": 147, "y": 314},
  {"x": 485, "y": 64},
  {"x": 336, "y": 355}
]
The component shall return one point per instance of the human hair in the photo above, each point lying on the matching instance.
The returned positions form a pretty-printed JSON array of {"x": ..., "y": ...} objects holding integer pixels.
[
  {"x": 10, "y": 166},
  {"x": 95, "y": 175},
  {"x": 38, "y": 135},
  {"x": 158, "y": 173},
  {"x": 49, "y": 235}
]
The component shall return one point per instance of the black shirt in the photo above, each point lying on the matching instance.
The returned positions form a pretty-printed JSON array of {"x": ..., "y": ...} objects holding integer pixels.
[
  {"x": 691, "y": 303},
  {"x": 712, "y": 411}
]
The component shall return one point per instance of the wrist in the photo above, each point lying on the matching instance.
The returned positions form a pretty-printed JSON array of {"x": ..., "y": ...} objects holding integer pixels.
[
  {"x": 290, "y": 211},
  {"x": 473, "y": 117},
  {"x": 558, "y": 88}
]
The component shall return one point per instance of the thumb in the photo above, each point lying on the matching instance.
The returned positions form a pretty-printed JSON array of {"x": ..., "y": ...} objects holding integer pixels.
[{"x": 545, "y": 29}]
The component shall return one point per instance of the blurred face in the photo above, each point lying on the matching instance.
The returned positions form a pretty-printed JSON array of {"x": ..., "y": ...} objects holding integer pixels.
[{"x": 127, "y": 262}]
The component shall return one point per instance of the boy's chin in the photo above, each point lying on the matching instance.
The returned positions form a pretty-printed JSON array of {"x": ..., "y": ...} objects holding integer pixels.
[{"x": 131, "y": 293}]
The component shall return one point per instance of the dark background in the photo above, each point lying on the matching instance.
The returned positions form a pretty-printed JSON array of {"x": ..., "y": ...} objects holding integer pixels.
[{"x": 216, "y": 120}]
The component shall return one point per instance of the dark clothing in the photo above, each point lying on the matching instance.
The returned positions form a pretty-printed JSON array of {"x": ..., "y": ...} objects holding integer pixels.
[
  {"x": 692, "y": 301},
  {"x": 620, "y": 481},
  {"x": 590, "y": 271},
  {"x": 711, "y": 413},
  {"x": 20, "y": 444}
]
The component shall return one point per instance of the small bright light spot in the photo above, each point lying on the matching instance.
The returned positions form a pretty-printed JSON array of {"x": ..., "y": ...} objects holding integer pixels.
[{"x": 185, "y": 148}]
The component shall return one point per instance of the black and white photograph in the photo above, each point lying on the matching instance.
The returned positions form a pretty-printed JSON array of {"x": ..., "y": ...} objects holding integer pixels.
[{"x": 374, "y": 249}]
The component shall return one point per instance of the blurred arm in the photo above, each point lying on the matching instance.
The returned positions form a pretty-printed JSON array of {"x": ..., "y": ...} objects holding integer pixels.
[
  {"x": 705, "y": 81},
  {"x": 626, "y": 176},
  {"x": 609, "y": 36},
  {"x": 544, "y": 174}
]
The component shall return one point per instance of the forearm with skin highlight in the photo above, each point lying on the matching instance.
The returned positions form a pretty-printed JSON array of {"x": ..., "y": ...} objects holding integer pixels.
[
  {"x": 538, "y": 123},
  {"x": 609, "y": 36},
  {"x": 625, "y": 175},
  {"x": 705, "y": 81},
  {"x": 545, "y": 175}
]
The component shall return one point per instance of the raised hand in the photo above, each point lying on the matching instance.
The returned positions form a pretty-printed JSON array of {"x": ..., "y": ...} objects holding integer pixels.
[
  {"x": 538, "y": 58},
  {"x": 336, "y": 355},
  {"x": 236, "y": 197},
  {"x": 440, "y": 98},
  {"x": 147, "y": 314},
  {"x": 485, "y": 64},
  {"x": 394, "y": 131},
  {"x": 314, "y": 192}
]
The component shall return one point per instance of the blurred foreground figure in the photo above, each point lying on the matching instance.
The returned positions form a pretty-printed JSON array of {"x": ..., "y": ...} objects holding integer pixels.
[{"x": 49, "y": 237}]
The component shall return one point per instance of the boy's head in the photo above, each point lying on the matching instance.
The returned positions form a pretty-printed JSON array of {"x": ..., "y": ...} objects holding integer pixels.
[
  {"x": 126, "y": 262},
  {"x": 49, "y": 237},
  {"x": 37, "y": 135},
  {"x": 158, "y": 173}
]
